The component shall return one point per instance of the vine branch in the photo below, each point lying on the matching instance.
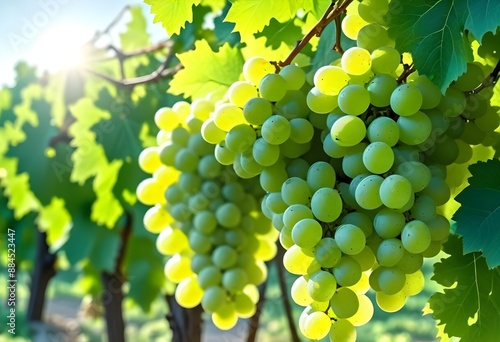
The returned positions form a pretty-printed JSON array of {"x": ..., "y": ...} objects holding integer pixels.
[
  {"x": 332, "y": 12},
  {"x": 338, "y": 36},
  {"x": 490, "y": 80},
  {"x": 408, "y": 69}
]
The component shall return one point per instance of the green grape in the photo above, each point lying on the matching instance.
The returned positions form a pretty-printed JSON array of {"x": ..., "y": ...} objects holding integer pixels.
[
  {"x": 395, "y": 191},
  {"x": 414, "y": 129},
  {"x": 272, "y": 178},
  {"x": 264, "y": 153},
  {"x": 294, "y": 75},
  {"x": 228, "y": 215},
  {"x": 211, "y": 133},
  {"x": 272, "y": 87},
  {"x": 292, "y": 150},
  {"x": 344, "y": 303},
  {"x": 166, "y": 119},
  {"x": 438, "y": 190},
  {"x": 453, "y": 102},
  {"x": 378, "y": 157},
  {"x": 292, "y": 105},
  {"x": 356, "y": 61},
  {"x": 327, "y": 252},
  {"x": 199, "y": 145},
  {"x": 380, "y": 89},
  {"x": 200, "y": 261},
  {"x": 374, "y": 11},
  {"x": 297, "y": 260},
  {"x": 319, "y": 102},
  {"x": 477, "y": 106},
  {"x": 285, "y": 238},
  {"x": 227, "y": 116},
  {"x": 351, "y": 24},
  {"x": 209, "y": 167},
  {"x": 384, "y": 130},
  {"x": 347, "y": 271},
  {"x": 240, "y": 92},
  {"x": 149, "y": 160},
  {"x": 424, "y": 209},
  {"x": 388, "y": 223},
  {"x": 320, "y": 175},
  {"x": 414, "y": 283},
  {"x": 186, "y": 160},
  {"x": 471, "y": 79},
  {"x": 326, "y": 204},
  {"x": 302, "y": 130},
  {"x": 201, "y": 109},
  {"x": 350, "y": 239},
  {"x": 333, "y": 149},
  {"x": 225, "y": 318},
  {"x": 244, "y": 306},
  {"x": 373, "y": 36},
  {"x": 348, "y": 130},
  {"x": 362, "y": 286},
  {"x": 417, "y": 173},
  {"x": 209, "y": 276},
  {"x": 255, "y": 69},
  {"x": 316, "y": 326},
  {"x": 234, "y": 279},
  {"x": 188, "y": 293},
  {"x": 223, "y": 154},
  {"x": 295, "y": 213},
  {"x": 257, "y": 110},
  {"x": 439, "y": 228},
  {"x": 431, "y": 95},
  {"x": 298, "y": 168},
  {"x": 465, "y": 152},
  {"x": 391, "y": 303},
  {"x": 367, "y": 192},
  {"x": 354, "y": 99},
  {"x": 391, "y": 280},
  {"x": 275, "y": 202},
  {"x": 299, "y": 292},
  {"x": 406, "y": 100},
  {"x": 321, "y": 286},
  {"x": 156, "y": 219},
  {"x": 296, "y": 191},
  {"x": 410, "y": 263},
  {"x": 445, "y": 151},
  {"x": 182, "y": 108},
  {"x": 224, "y": 257},
  {"x": 329, "y": 80},
  {"x": 180, "y": 136},
  {"x": 342, "y": 331},
  {"x": 472, "y": 135},
  {"x": 167, "y": 153},
  {"x": 385, "y": 60},
  {"x": 177, "y": 268},
  {"x": 390, "y": 252},
  {"x": 199, "y": 242},
  {"x": 276, "y": 130},
  {"x": 171, "y": 241},
  {"x": 363, "y": 221},
  {"x": 205, "y": 221},
  {"x": 233, "y": 192},
  {"x": 307, "y": 233},
  {"x": 240, "y": 138},
  {"x": 366, "y": 258},
  {"x": 364, "y": 313},
  {"x": 416, "y": 237}
]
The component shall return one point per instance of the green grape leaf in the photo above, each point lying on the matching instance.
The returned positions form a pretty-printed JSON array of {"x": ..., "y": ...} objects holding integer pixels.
[
  {"x": 224, "y": 31},
  {"x": 325, "y": 54},
  {"x": 136, "y": 36},
  {"x": 5, "y": 99},
  {"x": 432, "y": 32},
  {"x": 144, "y": 271},
  {"x": 484, "y": 16},
  {"x": 173, "y": 14},
  {"x": 217, "y": 72},
  {"x": 277, "y": 33},
  {"x": 469, "y": 309},
  {"x": 250, "y": 16},
  {"x": 318, "y": 7},
  {"x": 477, "y": 218},
  {"x": 106, "y": 210},
  {"x": 55, "y": 220},
  {"x": 21, "y": 199}
]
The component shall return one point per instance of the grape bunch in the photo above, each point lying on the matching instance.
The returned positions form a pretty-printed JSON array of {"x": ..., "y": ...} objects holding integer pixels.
[{"x": 208, "y": 219}]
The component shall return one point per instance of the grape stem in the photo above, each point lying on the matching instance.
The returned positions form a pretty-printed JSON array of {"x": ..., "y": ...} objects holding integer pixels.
[
  {"x": 332, "y": 13},
  {"x": 490, "y": 80},
  {"x": 407, "y": 70},
  {"x": 338, "y": 36}
]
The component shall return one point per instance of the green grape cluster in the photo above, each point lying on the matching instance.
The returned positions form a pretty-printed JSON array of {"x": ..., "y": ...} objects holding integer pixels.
[{"x": 208, "y": 219}]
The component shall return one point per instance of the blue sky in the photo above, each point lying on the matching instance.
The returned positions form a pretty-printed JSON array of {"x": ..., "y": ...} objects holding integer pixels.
[{"x": 29, "y": 28}]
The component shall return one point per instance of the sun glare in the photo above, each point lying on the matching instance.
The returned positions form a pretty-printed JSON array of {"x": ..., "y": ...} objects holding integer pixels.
[{"x": 60, "y": 47}]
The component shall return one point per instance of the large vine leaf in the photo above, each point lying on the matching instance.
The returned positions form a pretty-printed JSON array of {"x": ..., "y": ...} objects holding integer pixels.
[
  {"x": 136, "y": 36},
  {"x": 277, "y": 33},
  {"x": 250, "y": 16},
  {"x": 173, "y": 14},
  {"x": 470, "y": 308},
  {"x": 217, "y": 72},
  {"x": 432, "y": 32},
  {"x": 478, "y": 217},
  {"x": 484, "y": 16}
]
